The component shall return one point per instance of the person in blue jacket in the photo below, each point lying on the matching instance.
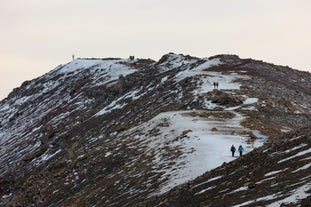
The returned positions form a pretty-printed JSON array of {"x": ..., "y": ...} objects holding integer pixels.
[{"x": 241, "y": 150}]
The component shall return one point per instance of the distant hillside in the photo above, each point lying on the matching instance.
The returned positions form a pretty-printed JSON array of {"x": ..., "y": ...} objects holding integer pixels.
[{"x": 139, "y": 132}]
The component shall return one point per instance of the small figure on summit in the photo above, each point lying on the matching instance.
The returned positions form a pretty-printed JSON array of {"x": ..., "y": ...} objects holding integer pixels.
[
  {"x": 232, "y": 150},
  {"x": 241, "y": 150}
]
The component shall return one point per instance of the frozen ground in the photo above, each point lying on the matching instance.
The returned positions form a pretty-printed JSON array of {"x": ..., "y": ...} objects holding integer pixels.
[{"x": 204, "y": 139}]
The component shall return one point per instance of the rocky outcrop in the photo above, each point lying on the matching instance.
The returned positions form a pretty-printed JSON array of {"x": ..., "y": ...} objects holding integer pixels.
[{"x": 224, "y": 99}]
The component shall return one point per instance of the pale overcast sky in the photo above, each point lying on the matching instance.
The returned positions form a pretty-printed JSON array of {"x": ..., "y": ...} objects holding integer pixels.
[{"x": 38, "y": 35}]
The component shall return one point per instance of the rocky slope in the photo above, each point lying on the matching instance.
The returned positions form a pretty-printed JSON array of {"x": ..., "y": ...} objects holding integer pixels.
[
  {"x": 119, "y": 132},
  {"x": 277, "y": 174}
]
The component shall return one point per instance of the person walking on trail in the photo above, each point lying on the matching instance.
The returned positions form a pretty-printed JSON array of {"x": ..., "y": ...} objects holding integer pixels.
[
  {"x": 215, "y": 85},
  {"x": 232, "y": 150},
  {"x": 241, "y": 150}
]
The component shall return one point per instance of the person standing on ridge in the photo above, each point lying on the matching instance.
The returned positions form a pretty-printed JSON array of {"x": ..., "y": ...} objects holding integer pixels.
[
  {"x": 241, "y": 150},
  {"x": 232, "y": 150}
]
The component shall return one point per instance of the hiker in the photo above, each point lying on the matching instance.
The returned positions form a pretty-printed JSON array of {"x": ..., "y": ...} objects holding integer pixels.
[
  {"x": 232, "y": 150},
  {"x": 214, "y": 85},
  {"x": 241, "y": 150},
  {"x": 217, "y": 85}
]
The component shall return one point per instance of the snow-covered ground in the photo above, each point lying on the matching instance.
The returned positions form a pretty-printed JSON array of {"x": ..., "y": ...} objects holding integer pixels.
[
  {"x": 204, "y": 141},
  {"x": 104, "y": 72},
  {"x": 116, "y": 66}
]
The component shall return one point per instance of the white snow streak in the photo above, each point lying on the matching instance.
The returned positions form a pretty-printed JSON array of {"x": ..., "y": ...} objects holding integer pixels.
[{"x": 296, "y": 155}]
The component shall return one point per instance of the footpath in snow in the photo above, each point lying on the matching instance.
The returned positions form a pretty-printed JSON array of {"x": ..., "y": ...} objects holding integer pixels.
[{"x": 203, "y": 137}]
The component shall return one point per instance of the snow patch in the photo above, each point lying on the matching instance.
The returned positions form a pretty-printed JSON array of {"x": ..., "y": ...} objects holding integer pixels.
[
  {"x": 203, "y": 149},
  {"x": 115, "y": 105},
  {"x": 273, "y": 173},
  {"x": 296, "y": 155},
  {"x": 199, "y": 70},
  {"x": 46, "y": 157},
  {"x": 307, "y": 166},
  {"x": 250, "y": 101},
  {"x": 175, "y": 61},
  {"x": 294, "y": 197}
]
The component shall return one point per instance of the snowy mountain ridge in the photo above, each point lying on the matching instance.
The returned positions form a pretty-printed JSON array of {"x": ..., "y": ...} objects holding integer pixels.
[{"x": 113, "y": 132}]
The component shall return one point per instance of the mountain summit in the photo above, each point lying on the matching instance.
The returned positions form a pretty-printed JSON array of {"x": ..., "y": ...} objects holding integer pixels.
[{"x": 139, "y": 132}]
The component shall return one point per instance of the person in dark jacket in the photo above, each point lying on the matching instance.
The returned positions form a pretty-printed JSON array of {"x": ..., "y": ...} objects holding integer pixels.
[
  {"x": 232, "y": 150},
  {"x": 241, "y": 150}
]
